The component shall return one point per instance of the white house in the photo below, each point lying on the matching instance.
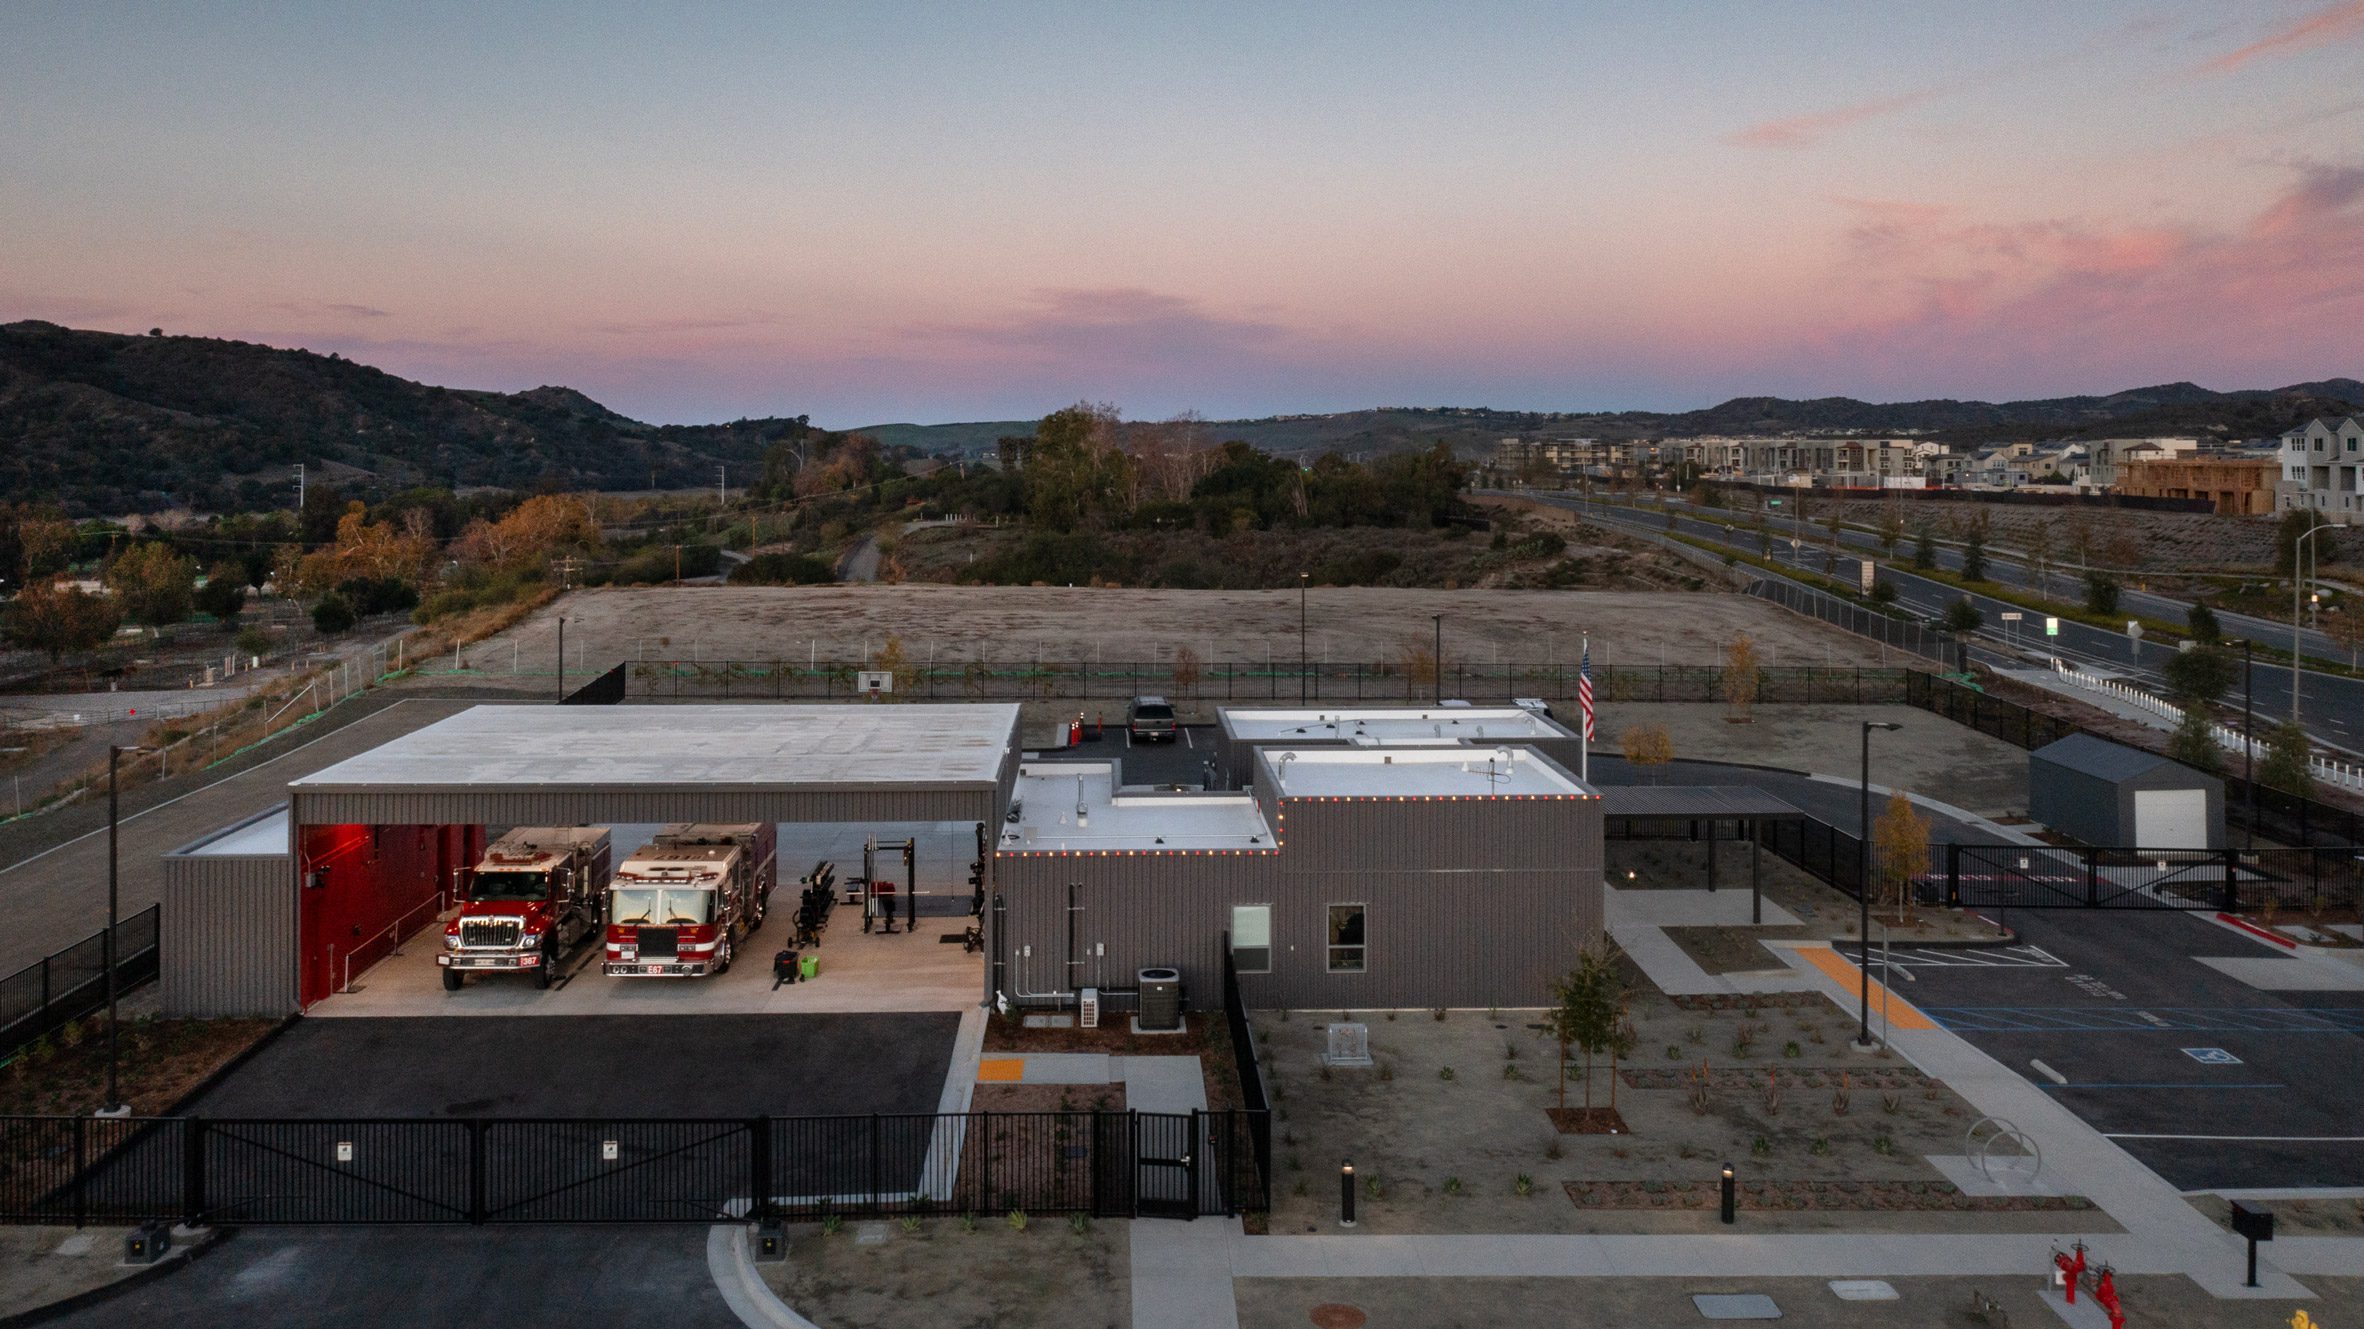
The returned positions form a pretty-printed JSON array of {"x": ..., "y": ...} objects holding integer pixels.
[{"x": 2323, "y": 469}]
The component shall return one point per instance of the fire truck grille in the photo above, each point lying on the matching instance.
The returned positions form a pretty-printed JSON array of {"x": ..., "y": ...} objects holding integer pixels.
[
  {"x": 659, "y": 943},
  {"x": 491, "y": 932}
]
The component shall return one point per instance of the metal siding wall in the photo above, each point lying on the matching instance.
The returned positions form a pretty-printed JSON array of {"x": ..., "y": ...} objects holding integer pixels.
[
  {"x": 227, "y": 944},
  {"x": 1492, "y": 929}
]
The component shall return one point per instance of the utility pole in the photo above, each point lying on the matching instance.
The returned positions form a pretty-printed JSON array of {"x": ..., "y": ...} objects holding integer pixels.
[
  {"x": 2249, "y": 735},
  {"x": 1440, "y": 659},
  {"x": 1302, "y": 579},
  {"x": 562, "y": 659},
  {"x": 299, "y": 489},
  {"x": 722, "y": 485}
]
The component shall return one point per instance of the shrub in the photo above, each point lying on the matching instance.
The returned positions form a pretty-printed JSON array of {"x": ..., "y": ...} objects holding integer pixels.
[
  {"x": 370, "y": 596},
  {"x": 333, "y": 615},
  {"x": 781, "y": 569}
]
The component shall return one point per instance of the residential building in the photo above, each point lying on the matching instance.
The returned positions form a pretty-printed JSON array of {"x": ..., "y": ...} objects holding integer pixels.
[
  {"x": 2106, "y": 455},
  {"x": 2322, "y": 465},
  {"x": 2239, "y": 486}
]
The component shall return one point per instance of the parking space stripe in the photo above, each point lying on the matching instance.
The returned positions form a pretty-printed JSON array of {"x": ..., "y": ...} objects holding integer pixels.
[{"x": 2154, "y": 1019}]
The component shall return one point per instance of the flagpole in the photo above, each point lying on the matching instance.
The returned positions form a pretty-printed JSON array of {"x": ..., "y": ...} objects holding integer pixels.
[{"x": 1584, "y": 727}]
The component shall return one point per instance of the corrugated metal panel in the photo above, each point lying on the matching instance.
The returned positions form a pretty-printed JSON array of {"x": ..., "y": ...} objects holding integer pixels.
[
  {"x": 1469, "y": 904},
  {"x": 228, "y": 938},
  {"x": 630, "y": 803}
]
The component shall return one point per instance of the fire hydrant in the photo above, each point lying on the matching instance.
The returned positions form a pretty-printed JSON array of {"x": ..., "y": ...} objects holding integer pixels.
[
  {"x": 2105, "y": 1295},
  {"x": 2070, "y": 1270}
]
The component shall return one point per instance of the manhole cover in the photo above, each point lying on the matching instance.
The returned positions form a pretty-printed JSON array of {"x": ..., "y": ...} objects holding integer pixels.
[{"x": 1335, "y": 1316}]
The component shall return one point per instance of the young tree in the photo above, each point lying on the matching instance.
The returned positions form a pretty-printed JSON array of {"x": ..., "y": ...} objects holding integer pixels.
[
  {"x": 1833, "y": 522},
  {"x": 1419, "y": 662},
  {"x": 57, "y": 619},
  {"x": 2101, "y": 593},
  {"x": 1646, "y": 746},
  {"x": 2346, "y": 626},
  {"x": 2199, "y": 678},
  {"x": 2194, "y": 742},
  {"x": 892, "y": 658},
  {"x": 1586, "y": 1011},
  {"x": 1187, "y": 672},
  {"x": 1974, "y": 537},
  {"x": 1924, "y": 547},
  {"x": 1962, "y": 617},
  {"x": 1741, "y": 678},
  {"x": 1900, "y": 849},
  {"x": 2295, "y": 524},
  {"x": 2039, "y": 555},
  {"x": 2285, "y": 764},
  {"x": 152, "y": 584},
  {"x": 1891, "y": 528},
  {"x": 2202, "y": 624}
]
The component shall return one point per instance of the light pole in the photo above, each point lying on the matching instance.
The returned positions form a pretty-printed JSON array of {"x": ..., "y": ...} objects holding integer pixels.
[
  {"x": 1863, "y": 885},
  {"x": 1302, "y": 580},
  {"x": 2249, "y": 736},
  {"x": 562, "y": 659},
  {"x": 2298, "y": 583},
  {"x": 1439, "y": 697},
  {"x": 114, "y": 1104}
]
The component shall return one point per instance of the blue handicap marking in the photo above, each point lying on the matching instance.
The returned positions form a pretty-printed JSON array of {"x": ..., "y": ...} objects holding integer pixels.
[{"x": 2212, "y": 1056}]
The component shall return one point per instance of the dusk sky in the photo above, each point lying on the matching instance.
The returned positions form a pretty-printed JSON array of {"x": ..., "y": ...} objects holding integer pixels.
[{"x": 871, "y": 212}]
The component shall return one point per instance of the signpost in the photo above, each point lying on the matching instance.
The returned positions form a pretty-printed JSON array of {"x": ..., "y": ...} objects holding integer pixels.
[
  {"x": 2011, "y": 619},
  {"x": 1869, "y": 573}
]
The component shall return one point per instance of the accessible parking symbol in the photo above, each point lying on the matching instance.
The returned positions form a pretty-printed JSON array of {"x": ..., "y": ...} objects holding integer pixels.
[{"x": 2212, "y": 1056}]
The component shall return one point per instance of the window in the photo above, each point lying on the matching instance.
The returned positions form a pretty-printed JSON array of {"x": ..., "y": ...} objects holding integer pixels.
[
  {"x": 1251, "y": 938},
  {"x": 1346, "y": 939}
]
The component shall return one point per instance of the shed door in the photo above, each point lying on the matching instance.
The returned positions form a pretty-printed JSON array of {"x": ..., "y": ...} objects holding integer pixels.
[{"x": 2171, "y": 818}]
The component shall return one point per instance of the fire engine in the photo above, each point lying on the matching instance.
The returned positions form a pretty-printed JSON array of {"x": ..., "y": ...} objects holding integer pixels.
[
  {"x": 537, "y": 894},
  {"x": 682, "y": 903}
]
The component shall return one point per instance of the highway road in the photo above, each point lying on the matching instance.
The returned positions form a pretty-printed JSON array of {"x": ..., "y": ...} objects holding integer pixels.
[
  {"x": 2331, "y": 706},
  {"x": 2064, "y": 581}
]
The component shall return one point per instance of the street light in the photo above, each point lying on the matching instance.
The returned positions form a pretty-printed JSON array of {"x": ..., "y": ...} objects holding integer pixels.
[
  {"x": 562, "y": 659},
  {"x": 1440, "y": 659},
  {"x": 1863, "y": 1040},
  {"x": 114, "y": 1104},
  {"x": 1302, "y": 580},
  {"x": 2298, "y": 582}
]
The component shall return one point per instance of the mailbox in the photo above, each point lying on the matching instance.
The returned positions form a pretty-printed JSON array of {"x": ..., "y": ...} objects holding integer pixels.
[{"x": 2255, "y": 1224}]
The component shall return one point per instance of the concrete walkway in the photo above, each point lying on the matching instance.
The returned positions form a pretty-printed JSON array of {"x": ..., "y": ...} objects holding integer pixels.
[{"x": 1637, "y": 920}]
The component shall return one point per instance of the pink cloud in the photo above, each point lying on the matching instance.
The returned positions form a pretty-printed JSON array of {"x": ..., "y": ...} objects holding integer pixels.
[
  {"x": 1804, "y": 131},
  {"x": 2335, "y": 24},
  {"x": 1973, "y": 304}
]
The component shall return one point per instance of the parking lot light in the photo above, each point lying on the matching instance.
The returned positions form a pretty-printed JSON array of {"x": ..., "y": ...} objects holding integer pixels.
[
  {"x": 1346, "y": 1194},
  {"x": 1731, "y": 1188},
  {"x": 1863, "y": 884},
  {"x": 113, "y": 1106}
]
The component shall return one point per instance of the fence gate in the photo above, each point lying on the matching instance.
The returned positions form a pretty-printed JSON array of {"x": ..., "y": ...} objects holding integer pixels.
[
  {"x": 1165, "y": 1164},
  {"x": 2048, "y": 877}
]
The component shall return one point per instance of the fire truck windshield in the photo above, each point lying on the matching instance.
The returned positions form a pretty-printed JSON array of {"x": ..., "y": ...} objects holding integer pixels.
[
  {"x": 511, "y": 886},
  {"x": 661, "y": 906}
]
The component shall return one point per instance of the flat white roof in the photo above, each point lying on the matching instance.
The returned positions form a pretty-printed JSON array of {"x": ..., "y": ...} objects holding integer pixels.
[
  {"x": 1391, "y": 724},
  {"x": 1416, "y": 773},
  {"x": 764, "y": 745},
  {"x": 1124, "y": 821},
  {"x": 262, "y": 836}
]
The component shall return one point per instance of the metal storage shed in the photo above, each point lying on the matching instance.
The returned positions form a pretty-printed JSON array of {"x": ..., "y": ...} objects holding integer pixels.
[
  {"x": 2109, "y": 794},
  {"x": 229, "y": 921}
]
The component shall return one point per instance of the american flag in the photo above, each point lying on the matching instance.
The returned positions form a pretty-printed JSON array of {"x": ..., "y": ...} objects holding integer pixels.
[{"x": 1584, "y": 689}]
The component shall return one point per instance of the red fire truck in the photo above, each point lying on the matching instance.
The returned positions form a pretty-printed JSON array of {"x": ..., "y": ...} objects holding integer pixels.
[
  {"x": 681, "y": 904},
  {"x": 537, "y": 894}
]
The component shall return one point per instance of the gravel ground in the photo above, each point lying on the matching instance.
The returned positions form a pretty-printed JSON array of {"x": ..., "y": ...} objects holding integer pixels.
[{"x": 1013, "y": 624}]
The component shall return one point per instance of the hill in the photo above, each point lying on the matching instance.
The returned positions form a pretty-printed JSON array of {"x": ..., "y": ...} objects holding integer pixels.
[{"x": 106, "y": 423}]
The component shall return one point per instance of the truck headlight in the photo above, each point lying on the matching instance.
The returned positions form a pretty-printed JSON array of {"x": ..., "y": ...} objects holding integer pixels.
[{"x": 451, "y": 941}]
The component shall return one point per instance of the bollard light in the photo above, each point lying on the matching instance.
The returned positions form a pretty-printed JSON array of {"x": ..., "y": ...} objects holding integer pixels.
[
  {"x": 1731, "y": 1188},
  {"x": 1346, "y": 1194}
]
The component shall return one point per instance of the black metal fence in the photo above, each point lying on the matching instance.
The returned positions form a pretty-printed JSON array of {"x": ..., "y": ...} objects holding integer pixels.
[
  {"x": 1818, "y": 848},
  {"x": 2261, "y": 881},
  {"x": 1378, "y": 683},
  {"x": 1250, "y": 1068},
  {"x": 82, "y": 1170},
  {"x": 2291, "y": 819},
  {"x": 70, "y": 983}
]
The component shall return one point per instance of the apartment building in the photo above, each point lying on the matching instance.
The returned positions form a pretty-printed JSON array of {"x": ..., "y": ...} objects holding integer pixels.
[
  {"x": 2322, "y": 468},
  {"x": 2239, "y": 486}
]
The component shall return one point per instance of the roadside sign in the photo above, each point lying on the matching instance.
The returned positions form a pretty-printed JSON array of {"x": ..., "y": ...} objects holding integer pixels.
[
  {"x": 874, "y": 680},
  {"x": 2051, "y": 626},
  {"x": 1868, "y": 572},
  {"x": 1772, "y": 502},
  {"x": 2012, "y": 616},
  {"x": 2134, "y": 629}
]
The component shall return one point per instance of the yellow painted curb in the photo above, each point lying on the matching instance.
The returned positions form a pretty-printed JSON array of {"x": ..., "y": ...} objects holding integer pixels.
[{"x": 1899, "y": 1012}]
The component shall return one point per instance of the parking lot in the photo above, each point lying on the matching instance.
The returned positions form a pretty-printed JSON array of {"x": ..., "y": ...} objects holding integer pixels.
[{"x": 2213, "y": 1082}]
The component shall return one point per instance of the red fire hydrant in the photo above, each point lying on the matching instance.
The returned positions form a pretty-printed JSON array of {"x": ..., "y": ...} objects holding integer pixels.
[
  {"x": 2105, "y": 1295},
  {"x": 2070, "y": 1271}
]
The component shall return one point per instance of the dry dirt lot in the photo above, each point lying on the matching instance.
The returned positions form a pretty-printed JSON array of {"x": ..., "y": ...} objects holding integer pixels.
[
  {"x": 1439, "y": 1154},
  {"x": 1930, "y": 756},
  {"x": 1014, "y": 624},
  {"x": 952, "y": 1272}
]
